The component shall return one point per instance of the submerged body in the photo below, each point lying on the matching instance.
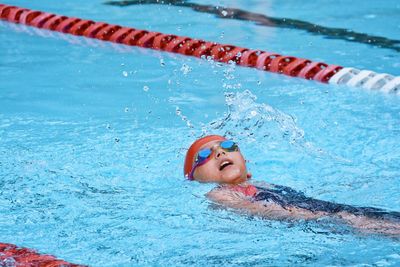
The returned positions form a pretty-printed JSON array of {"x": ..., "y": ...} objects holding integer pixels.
[
  {"x": 284, "y": 203},
  {"x": 214, "y": 159},
  {"x": 288, "y": 197}
]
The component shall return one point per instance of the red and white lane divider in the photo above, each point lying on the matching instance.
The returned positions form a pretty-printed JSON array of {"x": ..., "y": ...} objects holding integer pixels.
[
  {"x": 11, "y": 255},
  {"x": 288, "y": 65}
]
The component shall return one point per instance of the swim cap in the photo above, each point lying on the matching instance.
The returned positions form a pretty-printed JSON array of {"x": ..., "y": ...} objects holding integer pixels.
[{"x": 194, "y": 148}]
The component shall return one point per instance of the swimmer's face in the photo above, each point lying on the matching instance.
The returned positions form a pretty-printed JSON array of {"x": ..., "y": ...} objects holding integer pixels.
[{"x": 223, "y": 167}]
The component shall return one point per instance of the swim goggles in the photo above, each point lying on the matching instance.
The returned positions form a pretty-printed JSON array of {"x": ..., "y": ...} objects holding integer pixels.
[{"x": 204, "y": 155}]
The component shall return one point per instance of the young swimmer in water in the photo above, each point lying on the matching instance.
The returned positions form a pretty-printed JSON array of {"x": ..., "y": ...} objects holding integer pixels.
[{"x": 214, "y": 159}]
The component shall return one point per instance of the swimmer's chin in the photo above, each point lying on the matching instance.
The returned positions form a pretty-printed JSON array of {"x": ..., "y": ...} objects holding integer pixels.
[{"x": 233, "y": 177}]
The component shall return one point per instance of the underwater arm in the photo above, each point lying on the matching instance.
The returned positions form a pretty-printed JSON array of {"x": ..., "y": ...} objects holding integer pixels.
[
  {"x": 269, "y": 210},
  {"x": 370, "y": 225},
  {"x": 273, "y": 210}
]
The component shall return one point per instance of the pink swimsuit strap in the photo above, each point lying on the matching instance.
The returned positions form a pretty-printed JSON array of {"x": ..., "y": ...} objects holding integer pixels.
[{"x": 248, "y": 190}]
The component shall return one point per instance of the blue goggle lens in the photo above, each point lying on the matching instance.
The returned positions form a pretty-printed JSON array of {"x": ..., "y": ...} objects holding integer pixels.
[
  {"x": 203, "y": 154},
  {"x": 228, "y": 145}
]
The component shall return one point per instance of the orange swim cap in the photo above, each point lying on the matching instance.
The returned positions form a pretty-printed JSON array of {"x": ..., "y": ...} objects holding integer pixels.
[{"x": 194, "y": 148}]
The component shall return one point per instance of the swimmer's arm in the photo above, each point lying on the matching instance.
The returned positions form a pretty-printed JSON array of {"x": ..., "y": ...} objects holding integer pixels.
[
  {"x": 370, "y": 225},
  {"x": 238, "y": 201}
]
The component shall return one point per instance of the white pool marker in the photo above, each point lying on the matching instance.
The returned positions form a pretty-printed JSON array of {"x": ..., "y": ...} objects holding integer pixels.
[{"x": 367, "y": 79}]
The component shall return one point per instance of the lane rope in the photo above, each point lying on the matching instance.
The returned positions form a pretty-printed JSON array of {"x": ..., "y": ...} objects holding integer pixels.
[
  {"x": 11, "y": 255},
  {"x": 263, "y": 60}
]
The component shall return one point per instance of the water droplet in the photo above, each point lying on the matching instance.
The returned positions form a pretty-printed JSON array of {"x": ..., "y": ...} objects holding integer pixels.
[
  {"x": 185, "y": 69},
  {"x": 224, "y": 13},
  {"x": 162, "y": 63},
  {"x": 370, "y": 16},
  {"x": 9, "y": 262},
  {"x": 126, "y": 109},
  {"x": 125, "y": 73},
  {"x": 146, "y": 88},
  {"x": 178, "y": 111}
]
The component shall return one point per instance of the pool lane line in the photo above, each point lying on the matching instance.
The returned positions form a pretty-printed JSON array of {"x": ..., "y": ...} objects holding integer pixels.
[
  {"x": 267, "y": 61},
  {"x": 11, "y": 255},
  {"x": 263, "y": 20}
]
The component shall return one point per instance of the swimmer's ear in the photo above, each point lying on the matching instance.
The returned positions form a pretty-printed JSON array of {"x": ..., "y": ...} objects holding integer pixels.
[{"x": 249, "y": 175}]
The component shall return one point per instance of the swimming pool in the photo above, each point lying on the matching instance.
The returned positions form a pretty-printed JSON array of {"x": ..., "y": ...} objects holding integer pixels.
[{"x": 93, "y": 137}]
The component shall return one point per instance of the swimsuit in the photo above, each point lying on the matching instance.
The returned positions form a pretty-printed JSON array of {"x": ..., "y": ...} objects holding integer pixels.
[{"x": 287, "y": 197}]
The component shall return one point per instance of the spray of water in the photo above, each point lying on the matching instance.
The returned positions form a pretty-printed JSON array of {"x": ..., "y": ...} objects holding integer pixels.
[{"x": 247, "y": 119}]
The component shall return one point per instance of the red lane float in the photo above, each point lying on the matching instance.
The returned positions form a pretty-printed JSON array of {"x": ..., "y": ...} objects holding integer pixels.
[
  {"x": 11, "y": 255},
  {"x": 272, "y": 62},
  {"x": 267, "y": 61}
]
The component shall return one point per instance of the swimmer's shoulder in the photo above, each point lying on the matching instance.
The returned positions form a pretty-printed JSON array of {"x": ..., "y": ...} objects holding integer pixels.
[
  {"x": 237, "y": 200},
  {"x": 230, "y": 196},
  {"x": 224, "y": 194}
]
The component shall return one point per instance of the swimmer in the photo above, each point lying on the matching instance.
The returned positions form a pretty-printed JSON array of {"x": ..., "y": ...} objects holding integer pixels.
[{"x": 214, "y": 159}]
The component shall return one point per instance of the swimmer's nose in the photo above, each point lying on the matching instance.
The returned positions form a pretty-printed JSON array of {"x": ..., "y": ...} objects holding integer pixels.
[{"x": 219, "y": 153}]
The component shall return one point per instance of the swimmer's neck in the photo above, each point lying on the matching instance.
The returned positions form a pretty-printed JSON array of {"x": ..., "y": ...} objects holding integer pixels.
[{"x": 242, "y": 184}]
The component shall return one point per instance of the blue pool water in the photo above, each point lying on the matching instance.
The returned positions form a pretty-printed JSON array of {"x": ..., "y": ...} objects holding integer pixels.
[{"x": 93, "y": 136}]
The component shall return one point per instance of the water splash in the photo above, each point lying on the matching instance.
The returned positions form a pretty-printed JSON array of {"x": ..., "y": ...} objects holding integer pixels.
[{"x": 247, "y": 119}]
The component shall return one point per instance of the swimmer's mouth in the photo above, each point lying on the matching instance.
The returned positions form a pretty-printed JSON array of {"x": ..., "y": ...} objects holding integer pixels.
[{"x": 224, "y": 165}]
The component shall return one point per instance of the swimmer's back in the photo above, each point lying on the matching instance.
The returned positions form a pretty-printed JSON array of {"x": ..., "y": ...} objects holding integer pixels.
[{"x": 288, "y": 197}]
